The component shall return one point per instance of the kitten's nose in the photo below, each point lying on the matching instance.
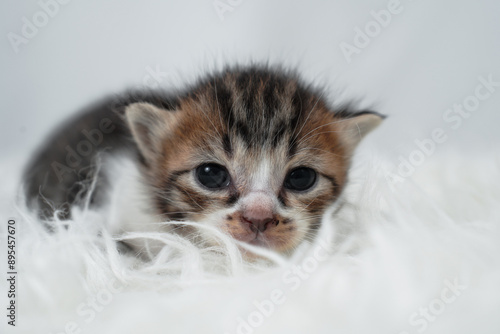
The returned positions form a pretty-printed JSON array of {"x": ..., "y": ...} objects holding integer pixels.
[
  {"x": 259, "y": 224},
  {"x": 259, "y": 214}
]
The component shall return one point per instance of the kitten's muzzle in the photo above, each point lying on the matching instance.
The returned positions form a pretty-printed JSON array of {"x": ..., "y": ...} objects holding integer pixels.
[{"x": 259, "y": 225}]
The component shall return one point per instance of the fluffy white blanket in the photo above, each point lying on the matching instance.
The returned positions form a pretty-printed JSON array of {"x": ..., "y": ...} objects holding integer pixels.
[{"x": 411, "y": 255}]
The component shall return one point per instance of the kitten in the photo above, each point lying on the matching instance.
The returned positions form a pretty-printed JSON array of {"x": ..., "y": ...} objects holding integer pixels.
[{"x": 252, "y": 151}]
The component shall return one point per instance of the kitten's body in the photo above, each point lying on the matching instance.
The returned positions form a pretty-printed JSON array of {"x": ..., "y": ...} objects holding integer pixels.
[{"x": 251, "y": 151}]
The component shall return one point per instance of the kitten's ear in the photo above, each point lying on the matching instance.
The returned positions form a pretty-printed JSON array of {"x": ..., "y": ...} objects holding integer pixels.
[
  {"x": 353, "y": 129},
  {"x": 149, "y": 126}
]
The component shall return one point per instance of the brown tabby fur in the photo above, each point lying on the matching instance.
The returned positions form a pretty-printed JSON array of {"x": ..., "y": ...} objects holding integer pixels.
[{"x": 242, "y": 119}]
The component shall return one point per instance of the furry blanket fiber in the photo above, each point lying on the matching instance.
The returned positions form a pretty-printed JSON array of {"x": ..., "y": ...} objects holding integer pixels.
[{"x": 400, "y": 255}]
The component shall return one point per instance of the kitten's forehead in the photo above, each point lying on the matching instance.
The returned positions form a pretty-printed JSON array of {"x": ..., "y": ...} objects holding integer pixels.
[{"x": 258, "y": 109}]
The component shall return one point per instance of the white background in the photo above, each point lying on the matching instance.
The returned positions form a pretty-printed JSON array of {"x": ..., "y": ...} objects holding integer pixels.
[{"x": 428, "y": 58}]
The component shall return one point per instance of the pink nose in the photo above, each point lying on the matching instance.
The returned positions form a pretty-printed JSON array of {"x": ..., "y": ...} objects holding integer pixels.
[
  {"x": 258, "y": 211},
  {"x": 259, "y": 217}
]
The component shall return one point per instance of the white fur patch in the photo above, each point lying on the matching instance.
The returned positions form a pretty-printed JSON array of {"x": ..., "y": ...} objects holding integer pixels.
[
  {"x": 130, "y": 207},
  {"x": 261, "y": 179}
]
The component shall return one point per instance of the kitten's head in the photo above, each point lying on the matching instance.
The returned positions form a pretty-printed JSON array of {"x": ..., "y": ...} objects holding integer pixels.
[{"x": 253, "y": 152}]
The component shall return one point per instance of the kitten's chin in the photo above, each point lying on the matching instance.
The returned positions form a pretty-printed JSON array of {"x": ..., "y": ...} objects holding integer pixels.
[
  {"x": 259, "y": 243},
  {"x": 262, "y": 241},
  {"x": 267, "y": 242}
]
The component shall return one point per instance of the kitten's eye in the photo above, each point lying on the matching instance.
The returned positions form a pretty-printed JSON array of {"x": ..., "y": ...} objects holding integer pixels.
[
  {"x": 300, "y": 179},
  {"x": 212, "y": 176}
]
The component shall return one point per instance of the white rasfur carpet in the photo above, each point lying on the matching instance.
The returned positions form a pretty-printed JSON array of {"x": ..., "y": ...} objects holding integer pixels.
[{"x": 420, "y": 256}]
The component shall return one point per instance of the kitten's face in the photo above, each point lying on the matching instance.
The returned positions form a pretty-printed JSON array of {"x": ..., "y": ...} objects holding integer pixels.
[{"x": 255, "y": 155}]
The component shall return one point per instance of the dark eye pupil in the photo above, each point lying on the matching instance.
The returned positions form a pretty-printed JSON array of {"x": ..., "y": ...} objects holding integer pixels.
[
  {"x": 212, "y": 176},
  {"x": 301, "y": 178}
]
